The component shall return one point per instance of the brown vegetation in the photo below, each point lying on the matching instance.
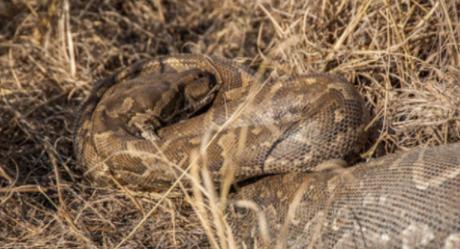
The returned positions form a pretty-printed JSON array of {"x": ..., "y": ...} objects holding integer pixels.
[{"x": 403, "y": 56}]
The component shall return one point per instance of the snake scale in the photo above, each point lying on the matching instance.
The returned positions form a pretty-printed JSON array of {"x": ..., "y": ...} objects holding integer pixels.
[{"x": 139, "y": 128}]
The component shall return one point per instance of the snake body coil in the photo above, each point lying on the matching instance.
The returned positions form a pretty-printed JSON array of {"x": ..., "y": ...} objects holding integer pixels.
[{"x": 140, "y": 127}]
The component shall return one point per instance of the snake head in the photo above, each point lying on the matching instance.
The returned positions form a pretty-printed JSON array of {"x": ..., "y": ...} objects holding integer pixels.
[{"x": 199, "y": 88}]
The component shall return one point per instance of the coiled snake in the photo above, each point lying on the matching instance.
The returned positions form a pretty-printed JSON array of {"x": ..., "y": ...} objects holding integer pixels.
[{"x": 140, "y": 127}]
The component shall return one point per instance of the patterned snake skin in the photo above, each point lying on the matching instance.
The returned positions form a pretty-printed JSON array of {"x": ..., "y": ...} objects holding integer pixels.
[
  {"x": 139, "y": 127},
  {"x": 404, "y": 200}
]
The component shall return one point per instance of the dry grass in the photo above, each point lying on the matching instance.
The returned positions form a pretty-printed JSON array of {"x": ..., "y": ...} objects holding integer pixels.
[{"x": 404, "y": 57}]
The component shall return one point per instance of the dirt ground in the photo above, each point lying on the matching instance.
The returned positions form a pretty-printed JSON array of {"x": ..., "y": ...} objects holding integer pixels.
[{"x": 402, "y": 55}]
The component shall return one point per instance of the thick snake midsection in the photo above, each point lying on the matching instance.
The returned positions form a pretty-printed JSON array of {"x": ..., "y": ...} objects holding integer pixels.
[{"x": 403, "y": 200}]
